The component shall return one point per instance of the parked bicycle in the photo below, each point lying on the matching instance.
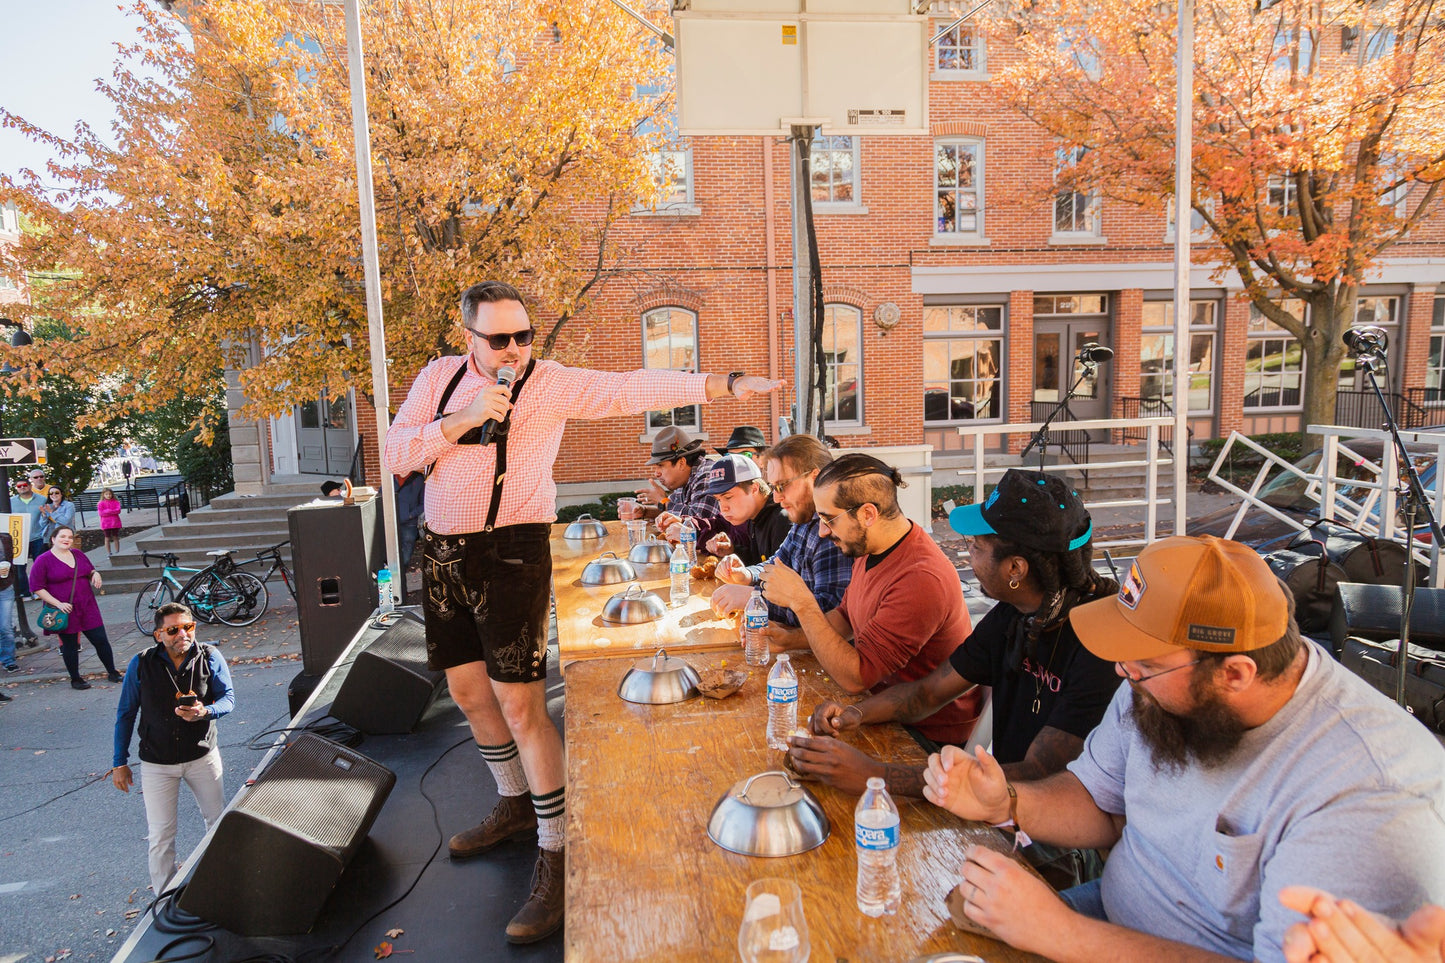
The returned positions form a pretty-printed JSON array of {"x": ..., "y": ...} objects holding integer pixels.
[
  {"x": 278, "y": 564},
  {"x": 216, "y": 593}
]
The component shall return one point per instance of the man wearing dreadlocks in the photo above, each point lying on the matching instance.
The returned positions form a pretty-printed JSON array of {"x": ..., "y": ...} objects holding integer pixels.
[{"x": 1031, "y": 549}]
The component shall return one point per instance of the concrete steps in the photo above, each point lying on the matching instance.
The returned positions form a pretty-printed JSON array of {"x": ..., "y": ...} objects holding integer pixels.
[{"x": 243, "y": 524}]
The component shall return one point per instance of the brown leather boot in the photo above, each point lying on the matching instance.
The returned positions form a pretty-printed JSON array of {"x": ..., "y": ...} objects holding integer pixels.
[
  {"x": 544, "y": 910},
  {"x": 512, "y": 817}
]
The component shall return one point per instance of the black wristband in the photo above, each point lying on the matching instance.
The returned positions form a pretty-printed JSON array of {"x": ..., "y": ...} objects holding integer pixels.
[{"x": 733, "y": 376}]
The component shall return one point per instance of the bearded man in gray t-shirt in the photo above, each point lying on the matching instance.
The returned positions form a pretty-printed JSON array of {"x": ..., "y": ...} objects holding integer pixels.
[{"x": 1239, "y": 759}]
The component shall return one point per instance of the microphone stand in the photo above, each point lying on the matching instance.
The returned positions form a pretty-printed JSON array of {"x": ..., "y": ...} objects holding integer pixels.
[
  {"x": 1412, "y": 493},
  {"x": 1041, "y": 437}
]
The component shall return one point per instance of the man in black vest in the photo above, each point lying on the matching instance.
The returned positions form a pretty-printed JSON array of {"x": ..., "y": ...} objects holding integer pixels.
[{"x": 180, "y": 687}]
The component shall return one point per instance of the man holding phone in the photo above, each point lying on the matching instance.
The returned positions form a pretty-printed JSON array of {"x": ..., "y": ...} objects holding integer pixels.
[{"x": 180, "y": 687}]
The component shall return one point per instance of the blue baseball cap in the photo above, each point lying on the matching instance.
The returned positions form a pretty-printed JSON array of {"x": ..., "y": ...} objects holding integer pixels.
[{"x": 1030, "y": 508}]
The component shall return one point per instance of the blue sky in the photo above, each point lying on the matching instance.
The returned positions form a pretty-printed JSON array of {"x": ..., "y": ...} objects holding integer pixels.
[{"x": 54, "y": 52}]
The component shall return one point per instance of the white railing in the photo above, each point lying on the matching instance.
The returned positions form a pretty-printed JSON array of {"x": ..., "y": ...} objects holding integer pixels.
[
  {"x": 1376, "y": 513},
  {"x": 982, "y": 472}
]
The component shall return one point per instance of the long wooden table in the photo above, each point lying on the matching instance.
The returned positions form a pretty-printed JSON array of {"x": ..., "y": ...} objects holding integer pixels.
[
  {"x": 581, "y": 633},
  {"x": 644, "y": 881}
]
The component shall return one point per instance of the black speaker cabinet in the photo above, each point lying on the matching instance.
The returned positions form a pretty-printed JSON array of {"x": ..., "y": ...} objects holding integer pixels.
[
  {"x": 335, "y": 548},
  {"x": 276, "y": 855},
  {"x": 389, "y": 686},
  {"x": 1374, "y": 612}
]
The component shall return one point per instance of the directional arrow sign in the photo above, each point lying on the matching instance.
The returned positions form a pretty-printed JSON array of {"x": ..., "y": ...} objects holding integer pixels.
[{"x": 22, "y": 451}]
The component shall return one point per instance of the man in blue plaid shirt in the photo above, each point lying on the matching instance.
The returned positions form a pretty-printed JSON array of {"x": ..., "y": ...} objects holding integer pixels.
[{"x": 789, "y": 467}]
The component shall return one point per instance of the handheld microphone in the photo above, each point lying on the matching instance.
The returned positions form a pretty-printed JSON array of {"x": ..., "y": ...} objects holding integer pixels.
[
  {"x": 505, "y": 377},
  {"x": 1367, "y": 339},
  {"x": 1095, "y": 353}
]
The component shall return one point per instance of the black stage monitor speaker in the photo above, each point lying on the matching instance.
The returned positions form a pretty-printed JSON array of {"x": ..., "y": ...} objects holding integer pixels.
[
  {"x": 277, "y": 854},
  {"x": 1374, "y": 612},
  {"x": 335, "y": 548},
  {"x": 389, "y": 686}
]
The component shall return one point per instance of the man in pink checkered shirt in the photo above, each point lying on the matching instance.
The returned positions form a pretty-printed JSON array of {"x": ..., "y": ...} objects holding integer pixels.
[{"x": 487, "y": 565}]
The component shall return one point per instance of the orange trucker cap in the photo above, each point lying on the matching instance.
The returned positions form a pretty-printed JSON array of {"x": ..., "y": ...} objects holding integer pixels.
[{"x": 1203, "y": 593}]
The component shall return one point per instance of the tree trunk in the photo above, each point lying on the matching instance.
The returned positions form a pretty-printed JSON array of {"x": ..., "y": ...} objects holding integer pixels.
[{"x": 1324, "y": 350}]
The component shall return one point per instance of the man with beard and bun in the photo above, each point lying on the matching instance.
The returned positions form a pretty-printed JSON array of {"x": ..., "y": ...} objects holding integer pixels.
[
  {"x": 1240, "y": 759},
  {"x": 902, "y": 614},
  {"x": 1032, "y": 549}
]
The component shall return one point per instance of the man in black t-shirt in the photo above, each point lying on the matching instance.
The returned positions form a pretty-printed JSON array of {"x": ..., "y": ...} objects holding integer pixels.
[{"x": 1031, "y": 549}]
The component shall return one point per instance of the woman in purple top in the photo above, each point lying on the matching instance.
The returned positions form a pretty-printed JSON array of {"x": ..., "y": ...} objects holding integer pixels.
[{"x": 65, "y": 578}]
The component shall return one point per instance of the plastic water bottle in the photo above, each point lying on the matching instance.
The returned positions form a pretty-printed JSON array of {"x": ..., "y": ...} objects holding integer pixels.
[
  {"x": 385, "y": 602},
  {"x": 755, "y": 620},
  {"x": 680, "y": 569},
  {"x": 876, "y": 836},
  {"x": 687, "y": 539},
  {"x": 782, "y": 703}
]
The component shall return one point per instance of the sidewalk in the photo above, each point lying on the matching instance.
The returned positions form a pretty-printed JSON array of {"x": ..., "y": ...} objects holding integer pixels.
[{"x": 274, "y": 636}]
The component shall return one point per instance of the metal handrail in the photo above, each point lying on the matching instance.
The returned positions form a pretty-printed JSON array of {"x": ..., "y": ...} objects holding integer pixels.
[
  {"x": 1074, "y": 444},
  {"x": 1150, "y": 501},
  {"x": 357, "y": 471}
]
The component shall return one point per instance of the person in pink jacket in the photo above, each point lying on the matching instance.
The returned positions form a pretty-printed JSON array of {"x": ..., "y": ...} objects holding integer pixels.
[{"x": 108, "y": 508}]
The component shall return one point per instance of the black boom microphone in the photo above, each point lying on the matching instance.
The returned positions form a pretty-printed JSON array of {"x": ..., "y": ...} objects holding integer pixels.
[
  {"x": 505, "y": 377},
  {"x": 1367, "y": 339},
  {"x": 1095, "y": 353}
]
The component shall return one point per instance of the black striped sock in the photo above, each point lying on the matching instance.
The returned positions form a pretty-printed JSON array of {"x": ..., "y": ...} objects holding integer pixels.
[
  {"x": 551, "y": 809},
  {"x": 506, "y": 765}
]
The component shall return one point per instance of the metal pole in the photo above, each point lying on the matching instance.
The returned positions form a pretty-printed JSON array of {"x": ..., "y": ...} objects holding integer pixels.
[
  {"x": 802, "y": 287},
  {"x": 376, "y": 329},
  {"x": 1183, "y": 221}
]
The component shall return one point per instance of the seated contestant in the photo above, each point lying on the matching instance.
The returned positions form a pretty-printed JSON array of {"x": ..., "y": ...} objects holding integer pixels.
[
  {"x": 902, "y": 613},
  {"x": 745, "y": 503},
  {"x": 745, "y": 440},
  {"x": 679, "y": 467},
  {"x": 1239, "y": 759},
  {"x": 1341, "y": 931},
  {"x": 789, "y": 467},
  {"x": 1049, "y": 692}
]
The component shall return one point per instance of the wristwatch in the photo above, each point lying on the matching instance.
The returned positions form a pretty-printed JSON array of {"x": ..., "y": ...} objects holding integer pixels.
[{"x": 733, "y": 376}]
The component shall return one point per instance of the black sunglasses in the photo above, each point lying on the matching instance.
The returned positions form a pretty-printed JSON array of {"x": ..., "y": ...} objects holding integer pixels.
[
  {"x": 499, "y": 342},
  {"x": 172, "y": 631}
]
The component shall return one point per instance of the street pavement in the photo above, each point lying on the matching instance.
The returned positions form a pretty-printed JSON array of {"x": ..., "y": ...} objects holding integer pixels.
[{"x": 72, "y": 847}]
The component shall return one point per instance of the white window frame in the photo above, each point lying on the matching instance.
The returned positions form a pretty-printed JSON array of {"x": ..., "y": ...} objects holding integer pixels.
[
  {"x": 1092, "y": 201},
  {"x": 1302, "y": 60},
  {"x": 1197, "y": 329},
  {"x": 1282, "y": 194},
  {"x": 854, "y": 206},
  {"x": 1198, "y": 232},
  {"x": 977, "y": 47},
  {"x": 977, "y": 235},
  {"x": 1261, "y": 329},
  {"x": 1435, "y": 361},
  {"x": 832, "y": 310},
  {"x": 672, "y": 158},
  {"x": 1367, "y": 311},
  {"x": 655, "y": 421},
  {"x": 949, "y": 335}
]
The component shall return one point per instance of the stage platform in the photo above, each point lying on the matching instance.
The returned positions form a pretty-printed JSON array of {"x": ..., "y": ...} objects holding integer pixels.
[{"x": 452, "y": 911}]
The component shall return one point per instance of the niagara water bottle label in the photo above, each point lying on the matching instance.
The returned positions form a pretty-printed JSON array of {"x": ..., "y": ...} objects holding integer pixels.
[
  {"x": 757, "y": 621},
  {"x": 782, "y": 693},
  {"x": 876, "y": 837}
]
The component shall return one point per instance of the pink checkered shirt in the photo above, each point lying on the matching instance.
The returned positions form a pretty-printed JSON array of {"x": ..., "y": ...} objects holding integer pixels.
[{"x": 460, "y": 487}]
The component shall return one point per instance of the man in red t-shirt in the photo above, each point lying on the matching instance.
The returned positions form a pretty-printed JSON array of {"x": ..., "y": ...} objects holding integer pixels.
[{"x": 903, "y": 613}]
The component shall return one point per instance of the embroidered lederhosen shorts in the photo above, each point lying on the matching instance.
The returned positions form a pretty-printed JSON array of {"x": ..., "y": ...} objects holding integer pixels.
[{"x": 487, "y": 596}]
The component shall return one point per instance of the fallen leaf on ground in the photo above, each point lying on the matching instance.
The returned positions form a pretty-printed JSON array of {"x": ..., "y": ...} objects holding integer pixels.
[
  {"x": 393, "y": 934},
  {"x": 383, "y": 950}
]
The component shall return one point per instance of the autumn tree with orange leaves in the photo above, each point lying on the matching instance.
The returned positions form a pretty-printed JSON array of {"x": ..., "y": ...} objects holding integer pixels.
[
  {"x": 218, "y": 224},
  {"x": 1319, "y": 136}
]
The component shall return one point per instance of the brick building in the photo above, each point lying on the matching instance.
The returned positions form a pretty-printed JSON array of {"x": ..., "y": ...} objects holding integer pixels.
[
  {"x": 952, "y": 298},
  {"x": 12, "y": 278}
]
